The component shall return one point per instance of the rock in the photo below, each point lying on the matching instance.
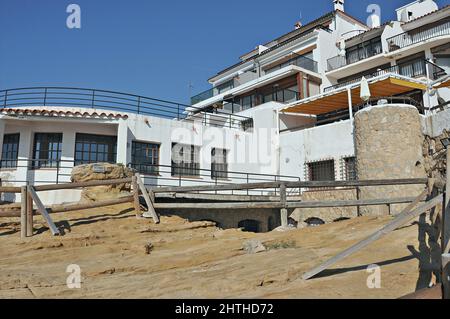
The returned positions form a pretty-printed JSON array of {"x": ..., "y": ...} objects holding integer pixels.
[
  {"x": 148, "y": 248},
  {"x": 253, "y": 246},
  {"x": 98, "y": 172}
]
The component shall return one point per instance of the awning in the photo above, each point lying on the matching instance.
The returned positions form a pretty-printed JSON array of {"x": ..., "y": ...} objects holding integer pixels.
[
  {"x": 387, "y": 85},
  {"x": 444, "y": 84}
]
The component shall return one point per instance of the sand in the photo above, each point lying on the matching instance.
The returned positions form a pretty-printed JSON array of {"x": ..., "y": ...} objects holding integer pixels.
[{"x": 198, "y": 260}]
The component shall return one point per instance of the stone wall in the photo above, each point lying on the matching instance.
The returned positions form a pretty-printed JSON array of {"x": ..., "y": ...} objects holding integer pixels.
[
  {"x": 328, "y": 215},
  {"x": 389, "y": 145}
]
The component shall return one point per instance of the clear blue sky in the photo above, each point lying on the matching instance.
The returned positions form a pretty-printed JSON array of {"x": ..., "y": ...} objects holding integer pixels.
[{"x": 148, "y": 47}]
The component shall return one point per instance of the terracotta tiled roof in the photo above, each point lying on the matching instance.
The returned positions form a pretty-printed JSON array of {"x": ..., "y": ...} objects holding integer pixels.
[{"x": 59, "y": 112}]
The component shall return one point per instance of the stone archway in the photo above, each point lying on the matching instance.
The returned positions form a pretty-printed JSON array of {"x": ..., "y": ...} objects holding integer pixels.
[{"x": 250, "y": 225}]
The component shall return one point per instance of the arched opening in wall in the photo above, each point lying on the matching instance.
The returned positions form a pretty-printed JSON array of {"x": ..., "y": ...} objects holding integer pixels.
[
  {"x": 314, "y": 222},
  {"x": 249, "y": 225},
  {"x": 340, "y": 219},
  {"x": 270, "y": 223}
]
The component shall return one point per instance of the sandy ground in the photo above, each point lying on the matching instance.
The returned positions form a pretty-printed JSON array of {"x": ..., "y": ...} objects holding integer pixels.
[{"x": 198, "y": 260}]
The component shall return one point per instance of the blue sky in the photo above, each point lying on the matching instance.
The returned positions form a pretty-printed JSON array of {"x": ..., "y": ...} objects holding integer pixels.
[{"x": 148, "y": 47}]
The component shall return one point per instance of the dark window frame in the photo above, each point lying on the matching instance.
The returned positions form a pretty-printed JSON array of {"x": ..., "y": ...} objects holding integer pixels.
[
  {"x": 146, "y": 164},
  {"x": 350, "y": 168},
  {"x": 219, "y": 170},
  {"x": 49, "y": 157},
  {"x": 106, "y": 145},
  {"x": 10, "y": 151},
  {"x": 317, "y": 171},
  {"x": 190, "y": 168}
]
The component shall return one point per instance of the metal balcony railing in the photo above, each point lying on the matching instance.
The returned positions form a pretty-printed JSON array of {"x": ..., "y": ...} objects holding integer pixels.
[
  {"x": 297, "y": 60},
  {"x": 417, "y": 35},
  {"x": 115, "y": 101},
  {"x": 354, "y": 56},
  {"x": 413, "y": 69}
]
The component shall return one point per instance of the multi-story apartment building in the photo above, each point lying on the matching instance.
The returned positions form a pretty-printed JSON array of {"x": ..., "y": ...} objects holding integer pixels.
[{"x": 284, "y": 111}]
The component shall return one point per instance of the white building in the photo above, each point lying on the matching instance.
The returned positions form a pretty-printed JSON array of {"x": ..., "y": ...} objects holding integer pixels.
[{"x": 283, "y": 112}]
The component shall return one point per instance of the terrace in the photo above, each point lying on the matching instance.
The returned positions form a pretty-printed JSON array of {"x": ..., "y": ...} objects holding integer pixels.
[
  {"x": 418, "y": 35},
  {"x": 414, "y": 69},
  {"x": 292, "y": 60},
  {"x": 115, "y": 101}
]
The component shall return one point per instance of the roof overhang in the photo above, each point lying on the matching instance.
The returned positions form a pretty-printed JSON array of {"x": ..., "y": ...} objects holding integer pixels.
[
  {"x": 443, "y": 82},
  {"x": 386, "y": 85}
]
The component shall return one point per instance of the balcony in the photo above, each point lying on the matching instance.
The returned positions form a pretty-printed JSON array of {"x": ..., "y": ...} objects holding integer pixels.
[
  {"x": 418, "y": 35},
  {"x": 413, "y": 69},
  {"x": 297, "y": 60},
  {"x": 355, "y": 54},
  {"x": 116, "y": 102},
  {"x": 277, "y": 95}
]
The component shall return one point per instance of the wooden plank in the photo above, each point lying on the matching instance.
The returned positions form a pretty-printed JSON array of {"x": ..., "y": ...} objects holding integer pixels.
[
  {"x": 305, "y": 184},
  {"x": 8, "y": 189},
  {"x": 41, "y": 209},
  {"x": 147, "y": 198},
  {"x": 406, "y": 215},
  {"x": 225, "y": 197},
  {"x": 350, "y": 203},
  {"x": 283, "y": 210},
  {"x": 82, "y": 184},
  {"x": 313, "y": 204},
  {"x": 62, "y": 208},
  {"x": 137, "y": 205},
  {"x": 29, "y": 214},
  {"x": 23, "y": 212}
]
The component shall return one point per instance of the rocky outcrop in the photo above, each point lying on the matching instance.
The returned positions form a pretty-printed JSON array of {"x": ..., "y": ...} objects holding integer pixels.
[
  {"x": 435, "y": 158},
  {"x": 102, "y": 171},
  {"x": 389, "y": 145}
]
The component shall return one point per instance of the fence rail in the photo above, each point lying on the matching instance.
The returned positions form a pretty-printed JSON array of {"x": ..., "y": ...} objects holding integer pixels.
[
  {"x": 115, "y": 102},
  {"x": 411, "y": 69},
  {"x": 417, "y": 35}
]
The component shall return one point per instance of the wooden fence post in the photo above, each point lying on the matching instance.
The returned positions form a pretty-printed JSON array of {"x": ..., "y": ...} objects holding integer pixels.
[
  {"x": 29, "y": 213},
  {"x": 23, "y": 212},
  {"x": 446, "y": 276},
  {"x": 148, "y": 200},
  {"x": 137, "y": 205},
  {"x": 41, "y": 208},
  {"x": 283, "y": 211}
]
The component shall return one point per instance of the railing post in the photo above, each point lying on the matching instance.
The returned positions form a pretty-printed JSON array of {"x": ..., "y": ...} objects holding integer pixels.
[
  {"x": 6, "y": 98},
  {"x": 139, "y": 105},
  {"x": 45, "y": 96},
  {"x": 93, "y": 98},
  {"x": 57, "y": 171},
  {"x": 283, "y": 211},
  {"x": 23, "y": 212},
  {"x": 178, "y": 112}
]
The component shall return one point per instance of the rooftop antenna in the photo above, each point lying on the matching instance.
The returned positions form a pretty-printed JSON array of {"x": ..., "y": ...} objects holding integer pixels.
[{"x": 191, "y": 86}]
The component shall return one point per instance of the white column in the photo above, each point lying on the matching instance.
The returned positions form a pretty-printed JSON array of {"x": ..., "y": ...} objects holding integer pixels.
[
  {"x": 25, "y": 153},
  {"x": 350, "y": 104},
  {"x": 123, "y": 144}
]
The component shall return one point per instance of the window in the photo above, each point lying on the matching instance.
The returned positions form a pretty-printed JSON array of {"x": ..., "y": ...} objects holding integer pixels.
[
  {"x": 219, "y": 166},
  {"x": 145, "y": 157},
  {"x": 350, "y": 169},
  {"x": 95, "y": 149},
  {"x": 364, "y": 50},
  {"x": 10, "y": 150},
  {"x": 185, "y": 160},
  {"x": 225, "y": 86},
  {"x": 46, "y": 150},
  {"x": 321, "y": 171}
]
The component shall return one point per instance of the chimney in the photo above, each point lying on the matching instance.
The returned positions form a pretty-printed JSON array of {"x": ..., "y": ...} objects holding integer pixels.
[
  {"x": 339, "y": 5},
  {"x": 298, "y": 25}
]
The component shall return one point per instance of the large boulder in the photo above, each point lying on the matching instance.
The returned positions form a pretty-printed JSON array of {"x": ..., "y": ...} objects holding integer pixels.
[{"x": 98, "y": 172}]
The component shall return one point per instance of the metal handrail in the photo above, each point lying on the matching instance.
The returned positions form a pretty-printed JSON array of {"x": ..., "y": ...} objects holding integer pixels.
[
  {"x": 114, "y": 101},
  {"x": 417, "y": 35},
  {"x": 437, "y": 72}
]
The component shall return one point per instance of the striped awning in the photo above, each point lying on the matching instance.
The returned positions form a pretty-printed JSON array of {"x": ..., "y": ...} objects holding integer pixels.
[{"x": 389, "y": 85}]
